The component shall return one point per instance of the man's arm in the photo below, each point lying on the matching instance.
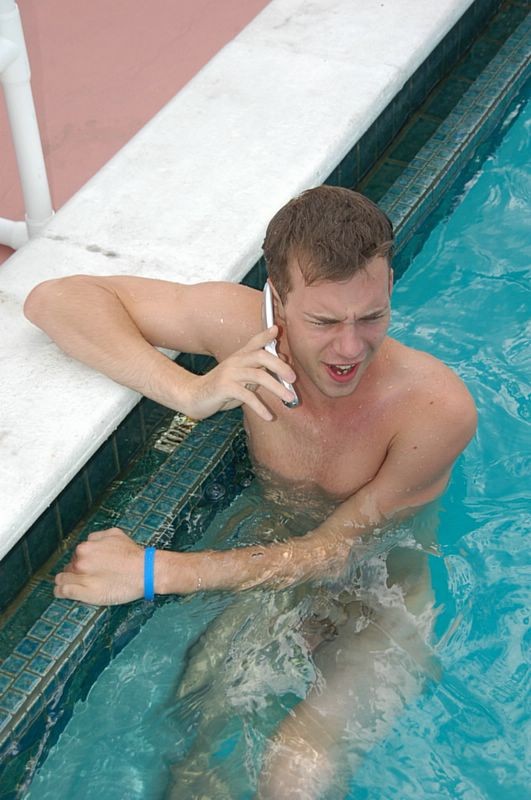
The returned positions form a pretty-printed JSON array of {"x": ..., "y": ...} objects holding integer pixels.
[
  {"x": 109, "y": 567},
  {"x": 115, "y": 324}
]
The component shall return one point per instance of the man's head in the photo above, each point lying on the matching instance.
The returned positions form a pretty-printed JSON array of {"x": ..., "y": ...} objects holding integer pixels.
[
  {"x": 328, "y": 254},
  {"x": 329, "y": 232}
]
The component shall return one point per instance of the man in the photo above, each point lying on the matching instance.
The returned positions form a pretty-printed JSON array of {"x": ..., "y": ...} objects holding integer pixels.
[{"x": 377, "y": 428}]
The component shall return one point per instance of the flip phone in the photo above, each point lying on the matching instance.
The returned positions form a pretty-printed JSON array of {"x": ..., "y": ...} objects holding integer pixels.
[{"x": 268, "y": 317}]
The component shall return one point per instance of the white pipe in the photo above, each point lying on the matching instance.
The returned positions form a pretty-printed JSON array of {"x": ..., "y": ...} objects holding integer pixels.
[
  {"x": 13, "y": 234},
  {"x": 15, "y": 78}
]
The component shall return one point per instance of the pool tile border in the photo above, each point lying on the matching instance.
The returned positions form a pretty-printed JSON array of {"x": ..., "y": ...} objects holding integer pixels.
[
  {"x": 417, "y": 192},
  {"x": 56, "y": 652}
]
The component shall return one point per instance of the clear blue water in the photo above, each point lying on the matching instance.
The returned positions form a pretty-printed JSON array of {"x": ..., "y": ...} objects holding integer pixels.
[{"x": 465, "y": 299}]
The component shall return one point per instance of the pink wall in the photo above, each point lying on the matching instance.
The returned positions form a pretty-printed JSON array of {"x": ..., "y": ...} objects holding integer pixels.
[{"x": 100, "y": 70}]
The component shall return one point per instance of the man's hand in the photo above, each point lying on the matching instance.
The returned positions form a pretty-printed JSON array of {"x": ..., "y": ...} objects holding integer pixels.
[
  {"x": 234, "y": 381},
  {"x": 106, "y": 570}
]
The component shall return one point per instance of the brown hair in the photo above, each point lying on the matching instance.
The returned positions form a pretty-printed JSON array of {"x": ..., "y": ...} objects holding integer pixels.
[{"x": 333, "y": 233}]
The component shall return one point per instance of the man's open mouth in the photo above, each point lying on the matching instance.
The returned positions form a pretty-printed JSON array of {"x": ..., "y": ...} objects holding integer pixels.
[{"x": 342, "y": 372}]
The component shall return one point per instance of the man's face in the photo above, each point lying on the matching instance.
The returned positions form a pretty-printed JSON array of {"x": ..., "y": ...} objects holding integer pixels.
[{"x": 335, "y": 329}]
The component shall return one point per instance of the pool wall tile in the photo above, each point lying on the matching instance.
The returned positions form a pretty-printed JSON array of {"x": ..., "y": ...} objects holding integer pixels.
[
  {"x": 44, "y": 538},
  {"x": 103, "y": 468},
  {"x": 130, "y": 437},
  {"x": 15, "y": 571},
  {"x": 73, "y": 503}
]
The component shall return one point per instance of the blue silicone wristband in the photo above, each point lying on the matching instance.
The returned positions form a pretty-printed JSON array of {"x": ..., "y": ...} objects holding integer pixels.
[{"x": 149, "y": 574}]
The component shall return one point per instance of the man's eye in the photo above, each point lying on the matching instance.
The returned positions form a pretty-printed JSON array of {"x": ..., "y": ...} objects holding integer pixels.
[
  {"x": 320, "y": 323},
  {"x": 373, "y": 319}
]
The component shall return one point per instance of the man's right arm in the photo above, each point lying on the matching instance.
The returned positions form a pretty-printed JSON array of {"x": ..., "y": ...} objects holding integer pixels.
[{"x": 114, "y": 324}]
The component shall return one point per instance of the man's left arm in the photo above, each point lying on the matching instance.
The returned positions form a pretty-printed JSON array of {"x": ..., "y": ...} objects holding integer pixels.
[{"x": 108, "y": 568}]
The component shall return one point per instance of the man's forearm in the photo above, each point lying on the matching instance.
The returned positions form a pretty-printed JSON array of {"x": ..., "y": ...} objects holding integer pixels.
[
  {"x": 318, "y": 555},
  {"x": 89, "y": 323}
]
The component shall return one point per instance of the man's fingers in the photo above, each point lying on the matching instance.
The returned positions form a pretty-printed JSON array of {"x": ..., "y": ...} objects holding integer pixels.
[
  {"x": 248, "y": 398},
  {"x": 70, "y": 587},
  {"x": 256, "y": 345},
  {"x": 267, "y": 381},
  {"x": 260, "y": 340}
]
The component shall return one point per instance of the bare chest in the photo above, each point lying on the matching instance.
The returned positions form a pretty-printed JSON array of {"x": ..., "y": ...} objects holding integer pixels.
[{"x": 340, "y": 454}]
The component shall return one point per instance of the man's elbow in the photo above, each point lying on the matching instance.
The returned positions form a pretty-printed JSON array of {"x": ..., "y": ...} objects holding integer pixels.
[
  {"x": 45, "y": 298},
  {"x": 38, "y": 302}
]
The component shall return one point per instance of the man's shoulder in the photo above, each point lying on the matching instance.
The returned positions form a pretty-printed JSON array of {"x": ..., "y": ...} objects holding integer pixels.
[
  {"x": 430, "y": 390},
  {"x": 417, "y": 367}
]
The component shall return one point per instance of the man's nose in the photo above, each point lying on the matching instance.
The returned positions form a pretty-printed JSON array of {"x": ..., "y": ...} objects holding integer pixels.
[{"x": 348, "y": 343}]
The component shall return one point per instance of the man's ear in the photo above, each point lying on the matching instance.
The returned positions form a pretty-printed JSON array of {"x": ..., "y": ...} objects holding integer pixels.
[
  {"x": 391, "y": 281},
  {"x": 279, "y": 305}
]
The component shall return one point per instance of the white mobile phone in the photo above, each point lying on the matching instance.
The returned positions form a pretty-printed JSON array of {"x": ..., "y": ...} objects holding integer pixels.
[{"x": 268, "y": 316}]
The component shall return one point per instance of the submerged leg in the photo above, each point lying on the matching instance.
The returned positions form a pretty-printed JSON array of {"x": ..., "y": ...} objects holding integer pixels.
[
  {"x": 253, "y": 652},
  {"x": 379, "y": 661}
]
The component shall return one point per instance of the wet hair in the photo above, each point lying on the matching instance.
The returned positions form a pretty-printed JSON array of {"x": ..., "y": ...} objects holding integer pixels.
[{"x": 332, "y": 233}]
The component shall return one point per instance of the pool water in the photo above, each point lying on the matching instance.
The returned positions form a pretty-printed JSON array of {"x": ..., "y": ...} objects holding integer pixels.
[{"x": 465, "y": 299}]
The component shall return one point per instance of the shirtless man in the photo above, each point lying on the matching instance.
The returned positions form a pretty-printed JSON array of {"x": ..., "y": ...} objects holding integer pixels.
[{"x": 378, "y": 425}]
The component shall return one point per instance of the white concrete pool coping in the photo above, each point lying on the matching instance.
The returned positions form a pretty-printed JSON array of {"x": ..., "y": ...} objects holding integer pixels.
[{"x": 188, "y": 199}]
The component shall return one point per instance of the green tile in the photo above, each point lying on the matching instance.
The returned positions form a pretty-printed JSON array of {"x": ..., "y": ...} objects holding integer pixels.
[
  {"x": 129, "y": 521},
  {"x": 68, "y": 630},
  {"x": 80, "y": 613},
  {"x": 73, "y": 503},
  {"x": 453, "y": 48},
  {"x": 26, "y": 682},
  {"x": 149, "y": 493},
  {"x": 436, "y": 64},
  {"x": 445, "y": 98},
  {"x": 11, "y": 700},
  {"x": 23, "y": 617},
  {"x": 15, "y": 571},
  {"x": 334, "y": 178},
  {"x": 368, "y": 150},
  {"x": 5, "y": 717},
  {"x": 54, "y": 647},
  {"x": 505, "y": 22},
  {"x": 175, "y": 492},
  {"x": 55, "y": 613},
  {"x": 402, "y": 108},
  {"x": 43, "y": 538},
  {"x": 14, "y": 664},
  {"x": 378, "y": 183},
  {"x": 41, "y": 664},
  {"x": 102, "y": 469},
  {"x": 27, "y": 647},
  {"x": 476, "y": 59},
  {"x": 413, "y": 139},
  {"x": 153, "y": 414},
  {"x": 348, "y": 169},
  {"x": 130, "y": 437},
  {"x": 154, "y": 520},
  {"x": 419, "y": 87},
  {"x": 41, "y": 630}
]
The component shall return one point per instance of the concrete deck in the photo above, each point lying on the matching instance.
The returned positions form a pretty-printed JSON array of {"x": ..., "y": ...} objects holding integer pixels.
[{"x": 188, "y": 199}]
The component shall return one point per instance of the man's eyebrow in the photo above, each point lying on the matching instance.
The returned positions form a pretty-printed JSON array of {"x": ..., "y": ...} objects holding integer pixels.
[
  {"x": 320, "y": 317},
  {"x": 327, "y": 318},
  {"x": 377, "y": 312}
]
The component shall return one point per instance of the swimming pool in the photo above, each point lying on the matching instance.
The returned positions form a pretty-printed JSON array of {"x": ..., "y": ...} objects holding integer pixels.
[{"x": 464, "y": 299}]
